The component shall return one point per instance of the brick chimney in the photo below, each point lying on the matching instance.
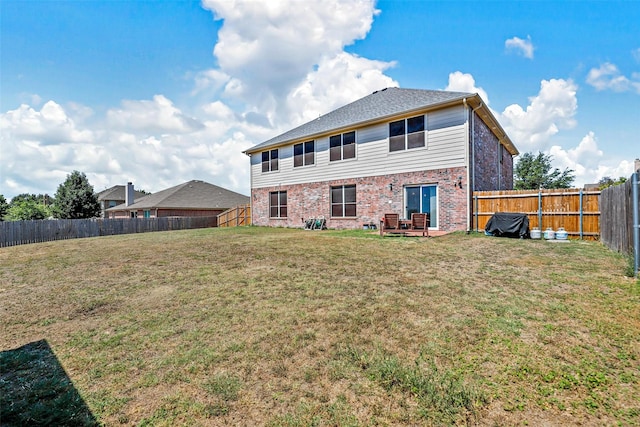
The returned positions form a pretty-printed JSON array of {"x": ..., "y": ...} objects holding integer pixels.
[{"x": 129, "y": 195}]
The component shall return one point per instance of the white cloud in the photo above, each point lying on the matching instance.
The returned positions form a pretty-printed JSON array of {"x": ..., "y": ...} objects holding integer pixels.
[
  {"x": 553, "y": 109},
  {"x": 209, "y": 80},
  {"x": 588, "y": 162},
  {"x": 609, "y": 77},
  {"x": 520, "y": 46},
  {"x": 36, "y": 99},
  {"x": 278, "y": 64},
  {"x": 50, "y": 125},
  {"x": 156, "y": 116},
  {"x": 218, "y": 110},
  {"x": 337, "y": 81},
  {"x": 39, "y": 148},
  {"x": 583, "y": 159},
  {"x": 269, "y": 48},
  {"x": 464, "y": 82},
  {"x": 32, "y": 99}
]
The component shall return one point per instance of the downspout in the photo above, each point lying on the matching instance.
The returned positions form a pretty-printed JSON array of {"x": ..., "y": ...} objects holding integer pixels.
[
  {"x": 473, "y": 152},
  {"x": 636, "y": 223},
  {"x": 250, "y": 188},
  {"x": 499, "y": 159},
  {"x": 469, "y": 192}
]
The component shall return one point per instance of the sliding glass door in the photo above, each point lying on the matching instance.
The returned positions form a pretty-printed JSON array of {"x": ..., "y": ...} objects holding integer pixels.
[{"x": 424, "y": 199}]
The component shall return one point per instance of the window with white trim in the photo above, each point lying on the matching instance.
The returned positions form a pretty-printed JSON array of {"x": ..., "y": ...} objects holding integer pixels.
[
  {"x": 304, "y": 154},
  {"x": 270, "y": 160},
  {"x": 406, "y": 134},
  {"x": 342, "y": 146}
]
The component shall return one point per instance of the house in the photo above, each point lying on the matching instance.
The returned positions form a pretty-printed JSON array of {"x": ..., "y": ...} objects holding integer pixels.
[
  {"x": 192, "y": 198},
  {"x": 393, "y": 151},
  {"x": 114, "y": 196}
]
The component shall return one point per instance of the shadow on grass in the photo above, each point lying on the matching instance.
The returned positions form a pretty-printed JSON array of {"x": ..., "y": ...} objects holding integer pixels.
[{"x": 35, "y": 390}]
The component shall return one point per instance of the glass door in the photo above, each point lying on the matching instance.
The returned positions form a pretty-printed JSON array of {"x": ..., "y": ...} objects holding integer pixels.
[{"x": 423, "y": 199}]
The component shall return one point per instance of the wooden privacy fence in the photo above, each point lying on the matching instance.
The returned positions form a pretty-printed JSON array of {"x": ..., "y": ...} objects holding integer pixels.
[
  {"x": 23, "y": 232},
  {"x": 618, "y": 216},
  {"x": 576, "y": 210},
  {"x": 234, "y": 217}
]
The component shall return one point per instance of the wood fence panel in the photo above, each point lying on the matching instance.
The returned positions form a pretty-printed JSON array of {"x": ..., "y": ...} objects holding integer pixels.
[
  {"x": 23, "y": 232},
  {"x": 575, "y": 210},
  {"x": 617, "y": 217},
  {"x": 235, "y": 217}
]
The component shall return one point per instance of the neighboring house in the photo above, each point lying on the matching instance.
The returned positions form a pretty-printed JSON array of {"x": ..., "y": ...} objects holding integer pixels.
[
  {"x": 192, "y": 198},
  {"x": 394, "y": 151},
  {"x": 114, "y": 196}
]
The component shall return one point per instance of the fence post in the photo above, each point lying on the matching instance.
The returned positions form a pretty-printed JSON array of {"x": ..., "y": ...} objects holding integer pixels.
[
  {"x": 581, "y": 216},
  {"x": 636, "y": 224},
  {"x": 475, "y": 211},
  {"x": 540, "y": 210}
]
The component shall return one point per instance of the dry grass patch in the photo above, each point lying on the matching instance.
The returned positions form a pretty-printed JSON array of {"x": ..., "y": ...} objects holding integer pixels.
[{"x": 258, "y": 326}]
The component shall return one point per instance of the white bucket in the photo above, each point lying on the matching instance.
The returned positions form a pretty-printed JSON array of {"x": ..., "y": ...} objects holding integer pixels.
[
  {"x": 536, "y": 233},
  {"x": 561, "y": 234},
  {"x": 549, "y": 234}
]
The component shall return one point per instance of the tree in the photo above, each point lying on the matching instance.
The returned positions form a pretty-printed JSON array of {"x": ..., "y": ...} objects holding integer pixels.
[
  {"x": 45, "y": 199},
  {"x": 533, "y": 172},
  {"x": 75, "y": 198},
  {"x": 23, "y": 197},
  {"x": 26, "y": 209},
  {"x": 26, "y": 206},
  {"x": 4, "y": 206},
  {"x": 608, "y": 182}
]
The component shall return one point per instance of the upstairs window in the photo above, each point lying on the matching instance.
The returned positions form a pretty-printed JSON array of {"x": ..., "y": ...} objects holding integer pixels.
[
  {"x": 342, "y": 147},
  {"x": 278, "y": 204},
  {"x": 406, "y": 134},
  {"x": 343, "y": 201},
  {"x": 304, "y": 154},
  {"x": 270, "y": 161}
]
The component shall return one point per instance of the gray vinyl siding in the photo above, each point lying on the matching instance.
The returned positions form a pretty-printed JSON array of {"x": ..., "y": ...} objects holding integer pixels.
[{"x": 446, "y": 142}]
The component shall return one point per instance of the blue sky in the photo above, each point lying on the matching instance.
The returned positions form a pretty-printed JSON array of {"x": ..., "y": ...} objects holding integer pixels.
[{"x": 161, "y": 92}]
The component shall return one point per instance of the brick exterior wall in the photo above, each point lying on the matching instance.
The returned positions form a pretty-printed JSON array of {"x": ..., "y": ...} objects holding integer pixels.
[
  {"x": 374, "y": 198},
  {"x": 168, "y": 213},
  {"x": 185, "y": 212},
  {"x": 493, "y": 166}
]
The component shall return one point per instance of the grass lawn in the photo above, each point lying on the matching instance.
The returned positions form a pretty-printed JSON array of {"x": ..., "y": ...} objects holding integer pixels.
[{"x": 281, "y": 327}]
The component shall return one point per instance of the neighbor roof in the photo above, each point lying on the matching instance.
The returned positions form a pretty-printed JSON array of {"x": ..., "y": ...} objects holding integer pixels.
[
  {"x": 380, "y": 105},
  {"x": 117, "y": 192},
  {"x": 189, "y": 195}
]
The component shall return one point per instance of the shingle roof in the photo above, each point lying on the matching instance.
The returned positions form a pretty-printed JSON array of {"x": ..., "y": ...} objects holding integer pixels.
[
  {"x": 189, "y": 195},
  {"x": 380, "y": 104},
  {"x": 117, "y": 192}
]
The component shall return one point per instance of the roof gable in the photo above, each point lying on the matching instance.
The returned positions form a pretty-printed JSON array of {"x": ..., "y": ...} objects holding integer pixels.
[
  {"x": 192, "y": 194},
  {"x": 117, "y": 192}
]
